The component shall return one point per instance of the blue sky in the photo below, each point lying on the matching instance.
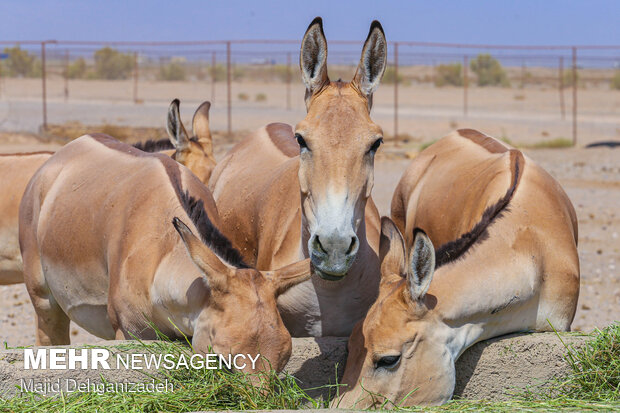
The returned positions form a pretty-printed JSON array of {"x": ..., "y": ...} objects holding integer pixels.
[{"x": 539, "y": 22}]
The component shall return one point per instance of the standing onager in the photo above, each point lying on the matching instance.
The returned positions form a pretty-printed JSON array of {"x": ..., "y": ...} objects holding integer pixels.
[
  {"x": 99, "y": 248},
  {"x": 257, "y": 188},
  {"x": 507, "y": 262},
  {"x": 16, "y": 170}
]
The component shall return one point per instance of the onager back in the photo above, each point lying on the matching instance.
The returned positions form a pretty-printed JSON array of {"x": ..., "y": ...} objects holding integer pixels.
[
  {"x": 16, "y": 170},
  {"x": 100, "y": 248},
  {"x": 506, "y": 261}
]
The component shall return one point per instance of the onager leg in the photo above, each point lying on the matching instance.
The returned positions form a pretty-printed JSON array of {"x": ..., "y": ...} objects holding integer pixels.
[
  {"x": 51, "y": 321},
  {"x": 52, "y": 324}
]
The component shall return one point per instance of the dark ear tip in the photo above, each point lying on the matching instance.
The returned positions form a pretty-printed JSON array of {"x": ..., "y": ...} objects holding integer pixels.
[
  {"x": 179, "y": 225},
  {"x": 376, "y": 25},
  {"x": 204, "y": 106},
  {"x": 175, "y": 102},
  {"x": 417, "y": 231},
  {"x": 317, "y": 20}
]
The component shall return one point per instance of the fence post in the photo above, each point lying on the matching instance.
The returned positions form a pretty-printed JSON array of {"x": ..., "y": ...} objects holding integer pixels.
[
  {"x": 43, "y": 86},
  {"x": 135, "y": 77},
  {"x": 213, "y": 74},
  {"x": 574, "y": 95},
  {"x": 465, "y": 83},
  {"x": 66, "y": 75},
  {"x": 396, "y": 91},
  {"x": 228, "y": 86},
  {"x": 561, "y": 86},
  {"x": 288, "y": 81}
]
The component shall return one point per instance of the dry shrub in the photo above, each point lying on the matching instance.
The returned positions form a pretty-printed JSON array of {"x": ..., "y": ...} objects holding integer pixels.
[
  {"x": 489, "y": 71},
  {"x": 68, "y": 131},
  {"x": 449, "y": 74}
]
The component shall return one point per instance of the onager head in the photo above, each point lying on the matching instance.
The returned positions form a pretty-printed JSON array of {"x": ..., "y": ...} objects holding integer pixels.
[
  {"x": 397, "y": 352},
  {"x": 240, "y": 316},
  {"x": 196, "y": 152},
  {"x": 338, "y": 141}
]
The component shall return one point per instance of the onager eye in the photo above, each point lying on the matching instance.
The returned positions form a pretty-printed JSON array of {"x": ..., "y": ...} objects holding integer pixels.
[
  {"x": 301, "y": 141},
  {"x": 387, "y": 362},
  {"x": 375, "y": 145}
]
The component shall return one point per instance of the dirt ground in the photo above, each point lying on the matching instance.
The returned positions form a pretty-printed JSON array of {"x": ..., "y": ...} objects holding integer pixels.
[
  {"x": 525, "y": 116},
  {"x": 591, "y": 177}
]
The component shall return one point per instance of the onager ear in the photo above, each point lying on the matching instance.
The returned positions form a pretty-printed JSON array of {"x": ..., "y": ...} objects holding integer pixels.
[
  {"x": 214, "y": 271},
  {"x": 313, "y": 58},
  {"x": 372, "y": 63},
  {"x": 289, "y": 276},
  {"x": 422, "y": 265},
  {"x": 391, "y": 250},
  {"x": 174, "y": 127},
  {"x": 200, "y": 122}
]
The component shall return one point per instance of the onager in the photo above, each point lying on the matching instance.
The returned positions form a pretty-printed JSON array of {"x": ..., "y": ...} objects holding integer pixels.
[
  {"x": 16, "y": 170},
  {"x": 99, "y": 247},
  {"x": 507, "y": 261},
  {"x": 328, "y": 162}
]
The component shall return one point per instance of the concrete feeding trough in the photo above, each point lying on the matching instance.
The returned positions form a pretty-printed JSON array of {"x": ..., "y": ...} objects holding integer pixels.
[{"x": 491, "y": 370}]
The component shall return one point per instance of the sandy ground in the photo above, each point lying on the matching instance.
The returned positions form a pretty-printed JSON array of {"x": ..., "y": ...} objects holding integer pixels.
[
  {"x": 591, "y": 177},
  {"x": 522, "y": 115}
]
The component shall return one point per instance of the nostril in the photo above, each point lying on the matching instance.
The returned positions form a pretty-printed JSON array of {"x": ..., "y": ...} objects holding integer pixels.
[
  {"x": 352, "y": 246},
  {"x": 319, "y": 245}
]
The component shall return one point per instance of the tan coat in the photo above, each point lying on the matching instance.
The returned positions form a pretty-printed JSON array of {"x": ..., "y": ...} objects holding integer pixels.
[
  {"x": 100, "y": 248},
  {"x": 505, "y": 261},
  {"x": 16, "y": 170}
]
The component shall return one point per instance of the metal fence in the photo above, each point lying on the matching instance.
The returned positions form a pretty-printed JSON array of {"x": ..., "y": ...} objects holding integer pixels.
[{"x": 207, "y": 64}]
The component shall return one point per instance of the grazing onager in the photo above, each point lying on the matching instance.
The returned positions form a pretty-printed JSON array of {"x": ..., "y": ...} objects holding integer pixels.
[
  {"x": 16, "y": 170},
  {"x": 99, "y": 248},
  {"x": 258, "y": 186},
  {"x": 507, "y": 261}
]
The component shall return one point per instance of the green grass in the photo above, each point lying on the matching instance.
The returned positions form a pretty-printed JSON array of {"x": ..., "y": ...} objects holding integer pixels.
[
  {"x": 553, "y": 143},
  {"x": 194, "y": 390},
  {"x": 595, "y": 368},
  {"x": 520, "y": 405},
  {"x": 592, "y": 385}
]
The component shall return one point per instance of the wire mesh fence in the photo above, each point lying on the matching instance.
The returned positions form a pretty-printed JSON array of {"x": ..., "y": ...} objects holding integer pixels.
[{"x": 254, "y": 82}]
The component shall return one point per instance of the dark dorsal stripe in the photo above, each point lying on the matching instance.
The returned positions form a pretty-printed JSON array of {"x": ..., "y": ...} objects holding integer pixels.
[
  {"x": 453, "y": 250},
  {"x": 209, "y": 234},
  {"x": 194, "y": 207},
  {"x": 283, "y": 137},
  {"x": 153, "y": 145},
  {"x": 487, "y": 142}
]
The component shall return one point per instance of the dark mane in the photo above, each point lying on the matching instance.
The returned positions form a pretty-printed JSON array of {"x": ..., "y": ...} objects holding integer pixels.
[
  {"x": 153, "y": 145},
  {"x": 453, "y": 250},
  {"x": 209, "y": 234}
]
